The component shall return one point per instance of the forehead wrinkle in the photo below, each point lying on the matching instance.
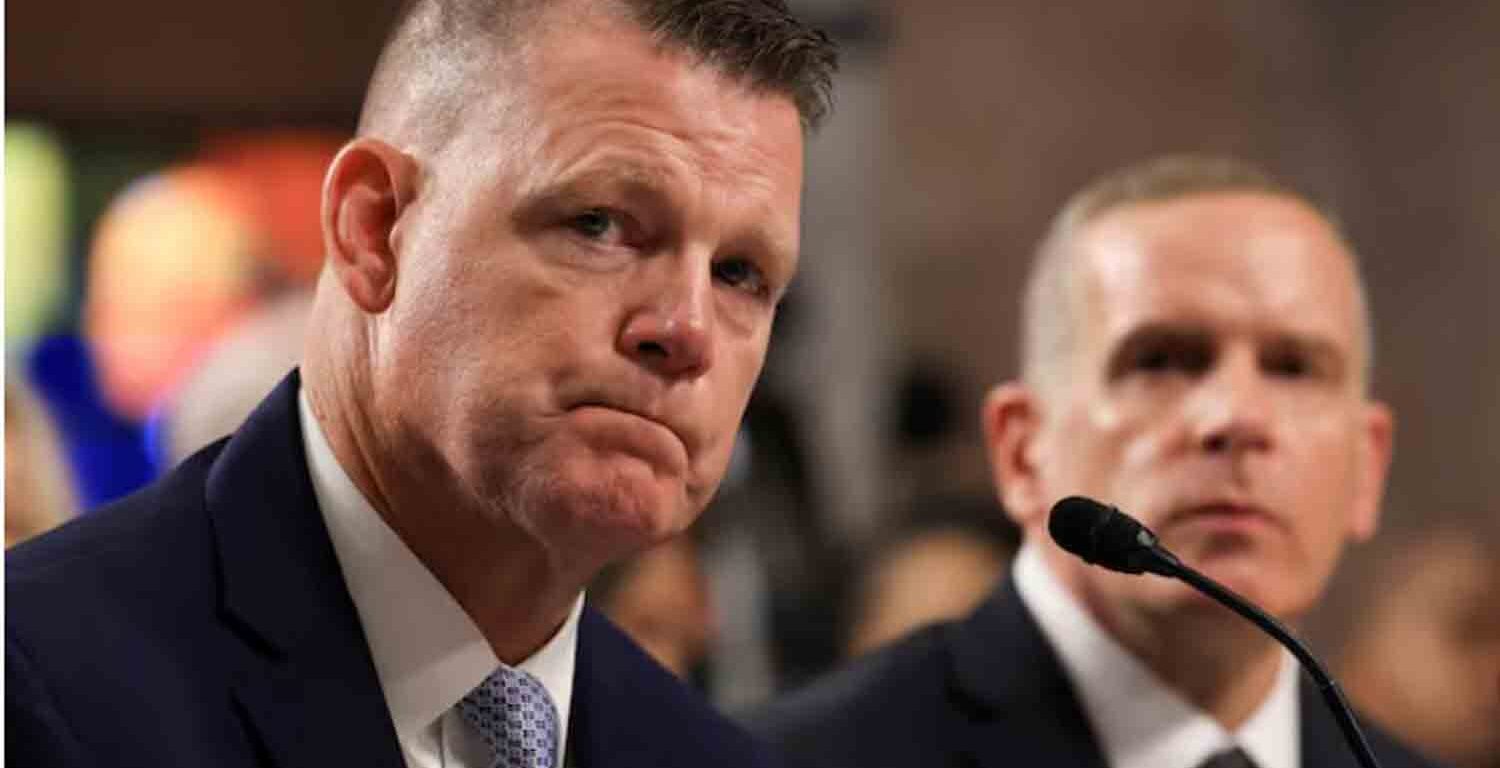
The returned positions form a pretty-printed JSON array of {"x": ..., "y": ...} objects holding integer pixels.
[
  {"x": 696, "y": 132},
  {"x": 603, "y": 169},
  {"x": 721, "y": 147},
  {"x": 687, "y": 102},
  {"x": 671, "y": 163}
]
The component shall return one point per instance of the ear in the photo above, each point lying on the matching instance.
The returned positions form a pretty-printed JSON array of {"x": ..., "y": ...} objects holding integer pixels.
[
  {"x": 368, "y": 186},
  {"x": 1011, "y": 417},
  {"x": 1375, "y": 461}
]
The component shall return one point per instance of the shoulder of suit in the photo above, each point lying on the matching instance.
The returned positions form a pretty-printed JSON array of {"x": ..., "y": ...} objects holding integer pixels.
[
  {"x": 901, "y": 682},
  {"x": 629, "y": 706},
  {"x": 103, "y": 555}
]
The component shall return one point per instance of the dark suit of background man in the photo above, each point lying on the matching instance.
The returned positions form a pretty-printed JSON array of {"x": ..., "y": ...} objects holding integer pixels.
[
  {"x": 1196, "y": 351},
  {"x": 554, "y": 252}
]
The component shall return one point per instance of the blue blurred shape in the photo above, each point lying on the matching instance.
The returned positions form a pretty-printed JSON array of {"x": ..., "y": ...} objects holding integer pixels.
[{"x": 108, "y": 454}]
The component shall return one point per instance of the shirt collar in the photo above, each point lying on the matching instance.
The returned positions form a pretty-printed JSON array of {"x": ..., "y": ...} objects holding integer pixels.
[
  {"x": 428, "y": 653},
  {"x": 1140, "y": 722}
]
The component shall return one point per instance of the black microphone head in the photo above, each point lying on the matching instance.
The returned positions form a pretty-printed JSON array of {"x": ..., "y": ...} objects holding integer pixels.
[{"x": 1103, "y": 535}]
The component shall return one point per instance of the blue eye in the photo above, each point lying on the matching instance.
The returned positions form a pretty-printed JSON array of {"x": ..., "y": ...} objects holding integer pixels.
[
  {"x": 740, "y": 273},
  {"x": 593, "y": 223}
]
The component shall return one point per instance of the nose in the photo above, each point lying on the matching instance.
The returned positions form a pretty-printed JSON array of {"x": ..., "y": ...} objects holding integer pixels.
[
  {"x": 672, "y": 331},
  {"x": 1232, "y": 410}
]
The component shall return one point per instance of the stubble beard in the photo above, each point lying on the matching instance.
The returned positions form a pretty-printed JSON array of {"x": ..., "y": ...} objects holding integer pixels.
[{"x": 582, "y": 526}]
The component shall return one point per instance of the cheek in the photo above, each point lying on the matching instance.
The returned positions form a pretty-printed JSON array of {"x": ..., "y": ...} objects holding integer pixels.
[
  {"x": 708, "y": 472},
  {"x": 468, "y": 375},
  {"x": 724, "y": 405},
  {"x": 1321, "y": 475},
  {"x": 1104, "y": 451},
  {"x": 469, "y": 313},
  {"x": 1142, "y": 449}
]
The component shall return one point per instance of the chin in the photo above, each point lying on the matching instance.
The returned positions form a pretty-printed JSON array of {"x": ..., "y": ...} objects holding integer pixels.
[
  {"x": 1263, "y": 590},
  {"x": 1171, "y": 596},
  {"x": 602, "y": 514}
]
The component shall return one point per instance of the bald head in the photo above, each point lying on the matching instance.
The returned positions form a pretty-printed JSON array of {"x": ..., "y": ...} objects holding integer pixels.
[
  {"x": 441, "y": 55},
  {"x": 1052, "y": 305}
]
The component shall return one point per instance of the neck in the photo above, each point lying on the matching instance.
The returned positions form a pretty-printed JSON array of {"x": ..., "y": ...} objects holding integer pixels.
[
  {"x": 514, "y": 591},
  {"x": 1208, "y": 654},
  {"x": 506, "y": 584},
  {"x": 1224, "y": 671}
]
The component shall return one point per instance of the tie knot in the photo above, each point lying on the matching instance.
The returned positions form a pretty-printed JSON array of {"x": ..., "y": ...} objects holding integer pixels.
[
  {"x": 1229, "y": 758},
  {"x": 513, "y": 713}
]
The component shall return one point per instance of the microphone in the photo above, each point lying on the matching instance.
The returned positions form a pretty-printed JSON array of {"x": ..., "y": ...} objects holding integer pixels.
[{"x": 1103, "y": 535}]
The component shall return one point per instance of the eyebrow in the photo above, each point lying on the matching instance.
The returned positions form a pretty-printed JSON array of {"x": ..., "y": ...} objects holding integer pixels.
[
  {"x": 651, "y": 189},
  {"x": 1316, "y": 347},
  {"x": 1125, "y": 351},
  {"x": 630, "y": 182}
]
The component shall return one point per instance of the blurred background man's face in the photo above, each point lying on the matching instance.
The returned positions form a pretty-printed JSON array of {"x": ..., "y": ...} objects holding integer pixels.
[
  {"x": 1425, "y": 657},
  {"x": 1215, "y": 392}
]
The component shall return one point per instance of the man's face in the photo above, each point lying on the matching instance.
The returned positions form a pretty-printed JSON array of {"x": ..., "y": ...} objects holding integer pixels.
[
  {"x": 1216, "y": 393},
  {"x": 1425, "y": 658},
  {"x": 587, "y": 283}
]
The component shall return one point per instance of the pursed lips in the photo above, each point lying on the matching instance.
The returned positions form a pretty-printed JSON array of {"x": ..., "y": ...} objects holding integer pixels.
[
  {"x": 1225, "y": 511},
  {"x": 639, "y": 413}
]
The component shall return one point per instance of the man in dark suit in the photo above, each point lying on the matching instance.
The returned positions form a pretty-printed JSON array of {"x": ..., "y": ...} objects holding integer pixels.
[
  {"x": 554, "y": 253},
  {"x": 1196, "y": 351}
]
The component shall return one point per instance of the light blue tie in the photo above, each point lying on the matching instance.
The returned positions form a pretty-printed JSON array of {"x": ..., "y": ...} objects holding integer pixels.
[{"x": 514, "y": 715}]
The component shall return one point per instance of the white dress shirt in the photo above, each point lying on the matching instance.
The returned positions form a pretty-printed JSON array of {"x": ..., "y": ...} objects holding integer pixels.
[
  {"x": 428, "y": 653},
  {"x": 1139, "y": 721}
]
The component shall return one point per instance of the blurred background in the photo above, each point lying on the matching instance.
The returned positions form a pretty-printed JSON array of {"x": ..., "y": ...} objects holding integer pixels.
[{"x": 162, "y": 164}]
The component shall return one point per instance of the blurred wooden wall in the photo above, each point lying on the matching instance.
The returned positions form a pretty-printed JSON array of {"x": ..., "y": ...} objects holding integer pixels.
[{"x": 155, "y": 61}]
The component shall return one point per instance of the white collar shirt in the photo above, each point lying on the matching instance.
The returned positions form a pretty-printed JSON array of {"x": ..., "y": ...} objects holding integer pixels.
[
  {"x": 428, "y": 653},
  {"x": 1141, "y": 722}
]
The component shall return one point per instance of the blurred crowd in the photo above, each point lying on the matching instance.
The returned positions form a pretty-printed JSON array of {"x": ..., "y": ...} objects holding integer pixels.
[{"x": 186, "y": 302}]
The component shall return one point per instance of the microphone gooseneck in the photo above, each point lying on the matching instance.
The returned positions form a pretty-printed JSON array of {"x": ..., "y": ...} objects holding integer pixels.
[{"x": 1103, "y": 535}]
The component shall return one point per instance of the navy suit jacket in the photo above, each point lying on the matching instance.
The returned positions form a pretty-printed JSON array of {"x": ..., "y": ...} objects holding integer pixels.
[
  {"x": 204, "y": 621},
  {"x": 985, "y": 691}
]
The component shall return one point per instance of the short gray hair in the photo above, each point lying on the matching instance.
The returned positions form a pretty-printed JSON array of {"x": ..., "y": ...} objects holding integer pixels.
[{"x": 424, "y": 59}]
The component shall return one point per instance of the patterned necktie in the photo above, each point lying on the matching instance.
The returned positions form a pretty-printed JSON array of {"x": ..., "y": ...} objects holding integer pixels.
[
  {"x": 514, "y": 715},
  {"x": 1229, "y": 758}
]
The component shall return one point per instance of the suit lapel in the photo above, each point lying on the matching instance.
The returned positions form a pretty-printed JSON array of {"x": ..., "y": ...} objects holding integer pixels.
[
  {"x": 1018, "y": 706},
  {"x": 306, "y": 685}
]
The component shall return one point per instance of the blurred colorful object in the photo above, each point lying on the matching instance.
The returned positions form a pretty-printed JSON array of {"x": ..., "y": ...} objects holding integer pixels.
[
  {"x": 173, "y": 264},
  {"x": 180, "y": 256},
  {"x": 38, "y": 488},
  {"x": 107, "y": 453},
  {"x": 36, "y": 223},
  {"x": 283, "y": 170}
]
